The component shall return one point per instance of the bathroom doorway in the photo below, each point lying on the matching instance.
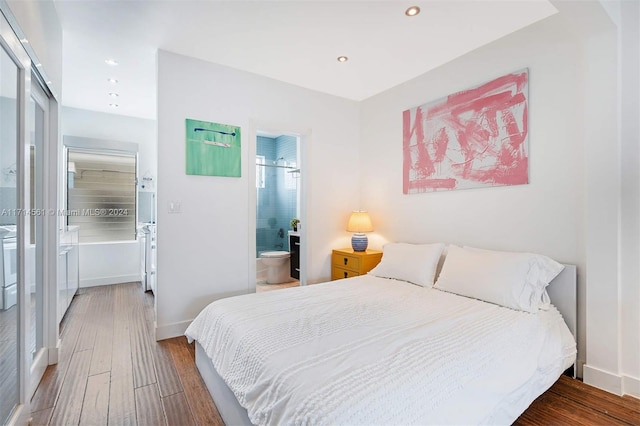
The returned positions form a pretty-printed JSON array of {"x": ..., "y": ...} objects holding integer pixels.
[{"x": 278, "y": 211}]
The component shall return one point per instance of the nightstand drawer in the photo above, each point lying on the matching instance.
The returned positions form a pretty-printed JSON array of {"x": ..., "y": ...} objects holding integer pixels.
[
  {"x": 345, "y": 261},
  {"x": 338, "y": 273}
]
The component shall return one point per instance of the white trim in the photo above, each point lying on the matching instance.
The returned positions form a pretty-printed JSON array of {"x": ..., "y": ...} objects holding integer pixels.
[
  {"x": 614, "y": 383},
  {"x": 54, "y": 352},
  {"x": 304, "y": 141},
  {"x": 120, "y": 279},
  {"x": 38, "y": 366},
  {"x": 602, "y": 379},
  {"x": 175, "y": 329},
  {"x": 100, "y": 145},
  {"x": 631, "y": 386}
]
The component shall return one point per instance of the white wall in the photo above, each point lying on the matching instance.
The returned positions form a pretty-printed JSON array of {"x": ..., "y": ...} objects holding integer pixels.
[
  {"x": 110, "y": 263},
  {"x": 570, "y": 208},
  {"x": 100, "y": 125},
  {"x": 203, "y": 252},
  {"x": 544, "y": 216}
]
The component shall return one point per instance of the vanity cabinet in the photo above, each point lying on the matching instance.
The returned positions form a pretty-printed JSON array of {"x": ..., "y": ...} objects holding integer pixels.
[
  {"x": 147, "y": 238},
  {"x": 68, "y": 269},
  {"x": 294, "y": 250}
]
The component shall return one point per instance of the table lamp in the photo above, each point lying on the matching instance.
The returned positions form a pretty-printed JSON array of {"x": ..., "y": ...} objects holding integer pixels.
[{"x": 359, "y": 223}]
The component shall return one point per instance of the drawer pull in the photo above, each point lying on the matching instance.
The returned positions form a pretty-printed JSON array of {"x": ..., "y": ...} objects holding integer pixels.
[
  {"x": 345, "y": 275},
  {"x": 345, "y": 261},
  {"x": 296, "y": 243},
  {"x": 298, "y": 269}
]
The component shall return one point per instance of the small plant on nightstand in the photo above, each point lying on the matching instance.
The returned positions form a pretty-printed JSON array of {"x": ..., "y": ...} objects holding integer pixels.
[{"x": 294, "y": 223}]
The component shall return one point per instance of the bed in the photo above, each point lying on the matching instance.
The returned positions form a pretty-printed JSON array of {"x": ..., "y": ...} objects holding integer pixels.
[{"x": 372, "y": 350}]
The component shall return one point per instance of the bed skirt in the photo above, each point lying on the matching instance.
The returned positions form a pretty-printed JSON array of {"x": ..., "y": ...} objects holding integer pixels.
[{"x": 230, "y": 410}]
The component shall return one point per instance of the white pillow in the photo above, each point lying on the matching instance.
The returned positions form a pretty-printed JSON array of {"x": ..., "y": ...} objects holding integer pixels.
[
  {"x": 415, "y": 263},
  {"x": 513, "y": 280}
]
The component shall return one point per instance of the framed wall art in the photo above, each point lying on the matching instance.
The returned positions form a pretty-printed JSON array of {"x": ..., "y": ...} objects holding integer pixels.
[
  {"x": 475, "y": 138},
  {"x": 213, "y": 149}
]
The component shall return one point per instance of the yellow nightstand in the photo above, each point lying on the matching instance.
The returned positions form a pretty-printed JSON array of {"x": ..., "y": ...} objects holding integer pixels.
[{"x": 346, "y": 263}]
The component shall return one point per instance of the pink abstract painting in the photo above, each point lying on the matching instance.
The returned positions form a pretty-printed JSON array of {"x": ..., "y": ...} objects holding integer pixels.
[{"x": 475, "y": 138}]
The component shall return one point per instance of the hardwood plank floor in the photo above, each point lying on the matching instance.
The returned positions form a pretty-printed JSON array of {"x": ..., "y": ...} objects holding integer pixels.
[
  {"x": 141, "y": 381},
  {"x": 112, "y": 371},
  {"x": 571, "y": 402}
]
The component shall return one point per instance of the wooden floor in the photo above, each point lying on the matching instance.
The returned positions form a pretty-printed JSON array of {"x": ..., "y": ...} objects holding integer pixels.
[
  {"x": 8, "y": 361},
  {"x": 111, "y": 371},
  {"x": 571, "y": 402}
]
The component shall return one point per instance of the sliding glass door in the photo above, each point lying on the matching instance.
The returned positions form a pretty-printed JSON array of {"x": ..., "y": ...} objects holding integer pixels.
[
  {"x": 10, "y": 323},
  {"x": 28, "y": 230}
]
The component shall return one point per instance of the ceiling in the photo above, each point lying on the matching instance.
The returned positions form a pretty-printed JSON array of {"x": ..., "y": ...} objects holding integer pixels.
[{"x": 292, "y": 41}]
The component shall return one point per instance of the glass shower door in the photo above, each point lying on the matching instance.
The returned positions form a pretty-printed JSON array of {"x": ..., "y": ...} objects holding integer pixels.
[{"x": 9, "y": 295}]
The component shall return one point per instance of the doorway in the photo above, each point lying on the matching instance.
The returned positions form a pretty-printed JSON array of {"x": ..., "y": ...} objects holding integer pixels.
[{"x": 278, "y": 203}]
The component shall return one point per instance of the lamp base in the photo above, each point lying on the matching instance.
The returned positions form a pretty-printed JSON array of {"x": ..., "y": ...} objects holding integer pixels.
[{"x": 359, "y": 242}]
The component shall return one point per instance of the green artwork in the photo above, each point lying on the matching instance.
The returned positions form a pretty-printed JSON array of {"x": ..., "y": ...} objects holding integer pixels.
[{"x": 213, "y": 149}]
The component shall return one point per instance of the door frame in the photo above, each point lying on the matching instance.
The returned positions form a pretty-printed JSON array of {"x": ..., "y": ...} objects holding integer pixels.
[
  {"x": 304, "y": 145},
  {"x": 41, "y": 360}
]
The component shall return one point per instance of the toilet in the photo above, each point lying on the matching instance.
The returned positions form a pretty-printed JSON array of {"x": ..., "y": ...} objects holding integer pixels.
[{"x": 277, "y": 266}]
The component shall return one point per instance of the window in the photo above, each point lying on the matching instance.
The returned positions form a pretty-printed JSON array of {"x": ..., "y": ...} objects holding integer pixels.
[{"x": 101, "y": 195}]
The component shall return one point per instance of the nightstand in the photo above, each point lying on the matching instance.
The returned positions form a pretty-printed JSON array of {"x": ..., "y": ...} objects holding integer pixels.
[{"x": 346, "y": 263}]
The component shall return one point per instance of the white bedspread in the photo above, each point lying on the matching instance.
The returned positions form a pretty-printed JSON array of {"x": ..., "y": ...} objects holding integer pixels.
[{"x": 370, "y": 350}]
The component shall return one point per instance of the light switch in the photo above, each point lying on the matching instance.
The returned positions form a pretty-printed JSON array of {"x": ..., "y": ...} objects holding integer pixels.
[{"x": 174, "y": 207}]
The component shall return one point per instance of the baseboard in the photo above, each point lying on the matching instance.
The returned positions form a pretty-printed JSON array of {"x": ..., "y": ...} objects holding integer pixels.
[
  {"x": 54, "y": 353},
  {"x": 172, "y": 330},
  {"x": 94, "y": 282},
  {"x": 631, "y": 386},
  {"x": 602, "y": 379}
]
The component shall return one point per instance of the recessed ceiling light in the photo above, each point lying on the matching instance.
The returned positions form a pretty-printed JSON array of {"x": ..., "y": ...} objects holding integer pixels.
[
  {"x": 113, "y": 95},
  {"x": 412, "y": 11},
  {"x": 342, "y": 59},
  {"x": 113, "y": 105},
  {"x": 112, "y": 80},
  {"x": 111, "y": 62}
]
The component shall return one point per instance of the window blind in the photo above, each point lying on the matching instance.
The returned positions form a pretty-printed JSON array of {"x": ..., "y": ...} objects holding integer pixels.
[{"x": 101, "y": 195}]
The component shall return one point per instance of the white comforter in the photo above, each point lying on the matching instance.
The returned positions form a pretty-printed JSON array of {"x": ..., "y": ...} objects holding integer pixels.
[{"x": 370, "y": 350}]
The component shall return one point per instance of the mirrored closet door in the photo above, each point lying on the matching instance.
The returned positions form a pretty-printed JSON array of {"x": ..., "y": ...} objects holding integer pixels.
[
  {"x": 28, "y": 161},
  {"x": 9, "y": 203}
]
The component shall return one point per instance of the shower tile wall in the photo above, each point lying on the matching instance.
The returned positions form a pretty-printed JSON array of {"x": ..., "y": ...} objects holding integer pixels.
[
  {"x": 276, "y": 203},
  {"x": 286, "y": 148}
]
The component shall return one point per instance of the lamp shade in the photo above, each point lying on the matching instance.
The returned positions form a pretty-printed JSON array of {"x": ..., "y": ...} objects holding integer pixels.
[{"x": 360, "y": 222}]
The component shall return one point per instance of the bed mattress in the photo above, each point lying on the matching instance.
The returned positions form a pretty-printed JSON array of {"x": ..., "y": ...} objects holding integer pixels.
[{"x": 370, "y": 350}]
